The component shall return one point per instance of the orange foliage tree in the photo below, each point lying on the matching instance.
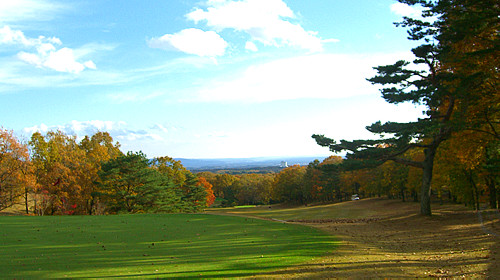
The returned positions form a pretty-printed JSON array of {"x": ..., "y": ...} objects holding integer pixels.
[
  {"x": 15, "y": 173},
  {"x": 66, "y": 171},
  {"x": 208, "y": 188},
  {"x": 59, "y": 168}
]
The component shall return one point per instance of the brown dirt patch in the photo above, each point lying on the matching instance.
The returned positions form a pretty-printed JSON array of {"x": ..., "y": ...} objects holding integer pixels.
[{"x": 454, "y": 243}]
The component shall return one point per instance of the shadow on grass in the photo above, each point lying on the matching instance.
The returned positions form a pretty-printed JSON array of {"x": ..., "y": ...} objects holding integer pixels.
[
  {"x": 170, "y": 246},
  {"x": 451, "y": 243},
  {"x": 454, "y": 242}
]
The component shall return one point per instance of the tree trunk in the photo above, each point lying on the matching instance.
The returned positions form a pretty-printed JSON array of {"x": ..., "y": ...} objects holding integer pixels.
[
  {"x": 91, "y": 204},
  {"x": 414, "y": 194},
  {"x": 35, "y": 211},
  {"x": 490, "y": 182},
  {"x": 475, "y": 191},
  {"x": 425, "y": 193},
  {"x": 26, "y": 200}
]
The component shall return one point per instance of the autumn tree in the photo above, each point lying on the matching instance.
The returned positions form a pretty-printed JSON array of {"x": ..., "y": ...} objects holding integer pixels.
[
  {"x": 172, "y": 168},
  {"x": 59, "y": 169},
  {"x": 208, "y": 189},
  {"x": 355, "y": 180},
  {"x": 289, "y": 185},
  {"x": 331, "y": 171},
  {"x": 209, "y": 176},
  {"x": 252, "y": 189},
  {"x": 314, "y": 183},
  {"x": 15, "y": 170},
  {"x": 447, "y": 86},
  {"x": 222, "y": 182},
  {"x": 322, "y": 180},
  {"x": 471, "y": 162},
  {"x": 98, "y": 149}
]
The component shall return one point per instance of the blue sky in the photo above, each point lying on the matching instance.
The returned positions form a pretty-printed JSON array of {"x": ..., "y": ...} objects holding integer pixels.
[{"x": 200, "y": 79}]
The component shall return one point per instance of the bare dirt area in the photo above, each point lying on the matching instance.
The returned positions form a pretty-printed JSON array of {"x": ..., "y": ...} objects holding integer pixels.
[{"x": 395, "y": 241}]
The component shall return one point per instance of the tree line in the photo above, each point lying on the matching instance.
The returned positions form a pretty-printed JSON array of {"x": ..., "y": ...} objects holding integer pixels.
[
  {"x": 468, "y": 175},
  {"x": 54, "y": 174}
]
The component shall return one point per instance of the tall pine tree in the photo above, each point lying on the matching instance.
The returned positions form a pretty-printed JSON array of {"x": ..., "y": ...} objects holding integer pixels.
[{"x": 459, "y": 52}]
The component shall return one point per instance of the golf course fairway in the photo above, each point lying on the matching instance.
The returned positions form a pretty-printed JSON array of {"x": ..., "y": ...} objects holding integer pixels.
[{"x": 153, "y": 246}]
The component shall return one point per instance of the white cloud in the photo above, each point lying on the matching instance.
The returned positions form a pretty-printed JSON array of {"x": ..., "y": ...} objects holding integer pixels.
[
  {"x": 192, "y": 41},
  {"x": 141, "y": 135},
  {"x": 46, "y": 54},
  {"x": 78, "y": 128},
  {"x": 251, "y": 46},
  {"x": 265, "y": 21},
  {"x": 90, "y": 64},
  {"x": 118, "y": 130},
  {"x": 17, "y": 10},
  {"x": 160, "y": 127},
  {"x": 314, "y": 76},
  {"x": 406, "y": 10},
  {"x": 415, "y": 12},
  {"x": 63, "y": 60},
  {"x": 134, "y": 96}
]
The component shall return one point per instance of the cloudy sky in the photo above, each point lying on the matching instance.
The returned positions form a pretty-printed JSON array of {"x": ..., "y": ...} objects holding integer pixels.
[{"x": 200, "y": 78}]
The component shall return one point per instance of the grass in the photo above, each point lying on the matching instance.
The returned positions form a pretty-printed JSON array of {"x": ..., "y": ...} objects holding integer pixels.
[
  {"x": 381, "y": 238},
  {"x": 153, "y": 246},
  {"x": 346, "y": 210}
]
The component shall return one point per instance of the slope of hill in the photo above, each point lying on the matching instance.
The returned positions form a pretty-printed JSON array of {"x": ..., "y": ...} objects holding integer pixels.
[{"x": 383, "y": 238}]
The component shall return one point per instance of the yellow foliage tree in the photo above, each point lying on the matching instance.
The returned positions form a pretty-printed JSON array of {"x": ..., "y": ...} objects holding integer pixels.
[{"x": 15, "y": 170}]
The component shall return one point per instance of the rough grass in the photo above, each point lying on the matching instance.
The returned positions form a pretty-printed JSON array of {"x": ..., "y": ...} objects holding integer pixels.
[
  {"x": 383, "y": 238},
  {"x": 153, "y": 246}
]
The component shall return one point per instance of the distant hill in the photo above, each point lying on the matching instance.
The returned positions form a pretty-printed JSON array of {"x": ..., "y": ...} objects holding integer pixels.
[{"x": 232, "y": 163}]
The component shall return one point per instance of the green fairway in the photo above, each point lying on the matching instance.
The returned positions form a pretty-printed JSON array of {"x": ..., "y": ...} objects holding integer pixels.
[
  {"x": 346, "y": 210},
  {"x": 156, "y": 246}
]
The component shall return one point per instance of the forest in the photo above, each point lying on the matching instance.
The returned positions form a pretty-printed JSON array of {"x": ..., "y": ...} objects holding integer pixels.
[
  {"x": 453, "y": 153},
  {"x": 54, "y": 174}
]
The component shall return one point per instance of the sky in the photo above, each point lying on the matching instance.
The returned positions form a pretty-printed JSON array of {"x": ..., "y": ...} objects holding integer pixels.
[{"x": 200, "y": 78}]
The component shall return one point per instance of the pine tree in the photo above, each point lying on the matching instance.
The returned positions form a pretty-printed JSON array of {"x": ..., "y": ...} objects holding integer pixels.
[{"x": 459, "y": 37}]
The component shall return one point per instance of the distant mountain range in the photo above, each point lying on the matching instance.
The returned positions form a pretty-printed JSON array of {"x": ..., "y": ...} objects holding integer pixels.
[{"x": 222, "y": 163}]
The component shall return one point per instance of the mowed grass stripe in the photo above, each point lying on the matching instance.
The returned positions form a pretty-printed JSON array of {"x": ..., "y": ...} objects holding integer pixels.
[
  {"x": 345, "y": 210},
  {"x": 178, "y": 245}
]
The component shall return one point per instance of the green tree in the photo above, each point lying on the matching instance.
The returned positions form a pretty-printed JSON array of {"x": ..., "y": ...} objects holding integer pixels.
[
  {"x": 158, "y": 194},
  {"x": 445, "y": 87},
  {"x": 128, "y": 184},
  {"x": 187, "y": 186},
  {"x": 331, "y": 171},
  {"x": 194, "y": 196},
  {"x": 172, "y": 168},
  {"x": 98, "y": 149}
]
